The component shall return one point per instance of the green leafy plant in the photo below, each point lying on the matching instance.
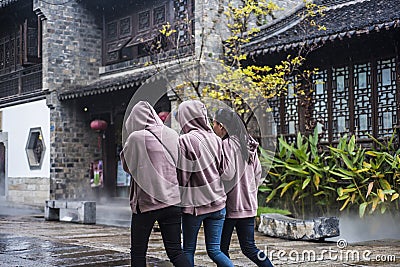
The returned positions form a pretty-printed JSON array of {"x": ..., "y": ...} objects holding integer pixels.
[
  {"x": 366, "y": 178},
  {"x": 384, "y": 177},
  {"x": 300, "y": 171},
  {"x": 345, "y": 177}
]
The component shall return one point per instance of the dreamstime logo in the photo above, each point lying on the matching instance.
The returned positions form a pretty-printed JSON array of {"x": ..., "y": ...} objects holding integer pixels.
[
  {"x": 341, "y": 243},
  {"x": 167, "y": 81},
  {"x": 340, "y": 253}
]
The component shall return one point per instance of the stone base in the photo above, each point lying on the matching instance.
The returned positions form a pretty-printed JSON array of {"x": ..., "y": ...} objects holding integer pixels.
[
  {"x": 277, "y": 225},
  {"x": 70, "y": 211}
]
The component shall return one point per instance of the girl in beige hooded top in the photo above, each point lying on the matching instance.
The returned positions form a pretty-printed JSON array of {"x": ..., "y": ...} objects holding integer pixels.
[
  {"x": 242, "y": 164},
  {"x": 203, "y": 195},
  {"x": 149, "y": 155}
]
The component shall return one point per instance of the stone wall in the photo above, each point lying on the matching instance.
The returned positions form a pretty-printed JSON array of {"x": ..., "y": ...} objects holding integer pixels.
[
  {"x": 71, "y": 56},
  {"x": 32, "y": 191},
  {"x": 71, "y": 51},
  {"x": 73, "y": 146}
]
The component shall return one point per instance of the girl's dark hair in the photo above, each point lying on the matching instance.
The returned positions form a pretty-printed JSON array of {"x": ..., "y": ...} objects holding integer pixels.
[{"x": 234, "y": 125}]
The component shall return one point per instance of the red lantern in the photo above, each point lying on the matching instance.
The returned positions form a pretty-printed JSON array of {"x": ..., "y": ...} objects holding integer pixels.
[
  {"x": 98, "y": 125},
  {"x": 163, "y": 115}
]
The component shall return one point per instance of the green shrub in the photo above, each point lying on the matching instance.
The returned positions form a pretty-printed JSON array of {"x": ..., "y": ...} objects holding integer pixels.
[{"x": 314, "y": 179}]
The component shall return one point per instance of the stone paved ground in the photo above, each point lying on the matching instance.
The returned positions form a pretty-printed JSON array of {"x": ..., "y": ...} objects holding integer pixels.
[{"x": 30, "y": 240}]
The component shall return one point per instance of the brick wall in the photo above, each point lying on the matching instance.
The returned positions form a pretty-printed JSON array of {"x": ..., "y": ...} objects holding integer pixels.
[
  {"x": 73, "y": 146},
  {"x": 71, "y": 51},
  {"x": 71, "y": 56}
]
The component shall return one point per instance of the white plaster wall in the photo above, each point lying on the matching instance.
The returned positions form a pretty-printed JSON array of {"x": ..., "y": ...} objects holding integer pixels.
[{"x": 17, "y": 121}]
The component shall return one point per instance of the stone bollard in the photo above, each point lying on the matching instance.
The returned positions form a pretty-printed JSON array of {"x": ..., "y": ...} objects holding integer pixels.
[{"x": 277, "y": 225}]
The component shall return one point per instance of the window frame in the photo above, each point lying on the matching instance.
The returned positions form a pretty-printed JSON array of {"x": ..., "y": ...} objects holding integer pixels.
[
  {"x": 34, "y": 161},
  {"x": 374, "y": 116},
  {"x": 138, "y": 37}
]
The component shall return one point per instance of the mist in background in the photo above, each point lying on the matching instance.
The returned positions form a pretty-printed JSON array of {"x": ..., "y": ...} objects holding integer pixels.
[
  {"x": 371, "y": 227},
  {"x": 113, "y": 211}
]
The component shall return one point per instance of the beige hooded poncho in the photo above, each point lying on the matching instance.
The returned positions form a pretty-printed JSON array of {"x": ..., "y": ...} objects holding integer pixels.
[{"x": 154, "y": 178}]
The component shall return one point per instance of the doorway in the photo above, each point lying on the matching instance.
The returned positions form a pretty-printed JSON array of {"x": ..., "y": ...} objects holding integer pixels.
[{"x": 3, "y": 164}]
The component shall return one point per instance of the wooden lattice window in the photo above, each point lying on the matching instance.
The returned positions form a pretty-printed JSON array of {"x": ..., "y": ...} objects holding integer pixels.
[
  {"x": 274, "y": 105},
  {"x": 291, "y": 116},
  {"x": 387, "y": 116},
  {"x": 144, "y": 20},
  {"x": 31, "y": 41},
  {"x": 340, "y": 105},
  {"x": 118, "y": 34},
  {"x": 141, "y": 27},
  {"x": 21, "y": 47},
  {"x": 362, "y": 100},
  {"x": 112, "y": 30},
  {"x": 320, "y": 97},
  {"x": 359, "y": 99},
  {"x": 159, "y": 16},
  {"x": 8, "y": 54},
  {"x": 125, "y": 27}
]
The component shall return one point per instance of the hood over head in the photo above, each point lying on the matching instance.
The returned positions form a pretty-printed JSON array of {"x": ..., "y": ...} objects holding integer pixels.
[
  {"x": 192, "y": 115},
  {"x": 142, "y": 116}
]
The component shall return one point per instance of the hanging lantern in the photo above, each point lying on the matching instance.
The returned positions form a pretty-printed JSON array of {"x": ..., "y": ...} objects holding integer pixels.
[
  {"x": 163, "y": 115},
  {"x": 98, "y": 125}
]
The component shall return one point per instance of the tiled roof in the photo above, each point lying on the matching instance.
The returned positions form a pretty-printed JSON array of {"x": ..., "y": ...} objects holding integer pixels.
[
  {"x": 102, "y": 86},
  {"x": 121, "y": 81},
  {"x": 343, "y": 19},
  {"x": 4, "y": 3}
]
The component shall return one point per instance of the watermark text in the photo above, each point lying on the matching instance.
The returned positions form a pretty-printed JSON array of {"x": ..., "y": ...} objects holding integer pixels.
[{"x": 340, "y": 253}]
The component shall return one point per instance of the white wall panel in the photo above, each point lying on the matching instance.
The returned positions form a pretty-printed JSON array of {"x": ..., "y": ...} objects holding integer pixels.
[{"x": 17, "y": 121}]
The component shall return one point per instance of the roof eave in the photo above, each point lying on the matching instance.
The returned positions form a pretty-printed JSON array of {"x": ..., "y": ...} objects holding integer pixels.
[
  {"x": 91, "y": 90},
  {"x": 322, "y": 39}
]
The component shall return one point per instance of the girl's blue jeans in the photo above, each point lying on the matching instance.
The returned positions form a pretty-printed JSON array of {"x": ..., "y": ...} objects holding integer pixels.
[{"x": 212, "y": 223}]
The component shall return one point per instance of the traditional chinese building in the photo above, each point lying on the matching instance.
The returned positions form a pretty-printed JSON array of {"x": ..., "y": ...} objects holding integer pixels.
[
  {"x": 68, "y": 70},
  {"x": 25, "y": 117},
  {"x": 357, "y": 89}
]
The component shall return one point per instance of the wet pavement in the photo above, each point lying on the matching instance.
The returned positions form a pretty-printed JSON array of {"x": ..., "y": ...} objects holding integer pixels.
[{"x": 26, "y": 239}]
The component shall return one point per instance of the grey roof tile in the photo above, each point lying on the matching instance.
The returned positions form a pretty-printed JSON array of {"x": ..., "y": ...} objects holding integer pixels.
[
  {"x": 343, "y": 19},
  {"x": 102, "y": 86}
]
